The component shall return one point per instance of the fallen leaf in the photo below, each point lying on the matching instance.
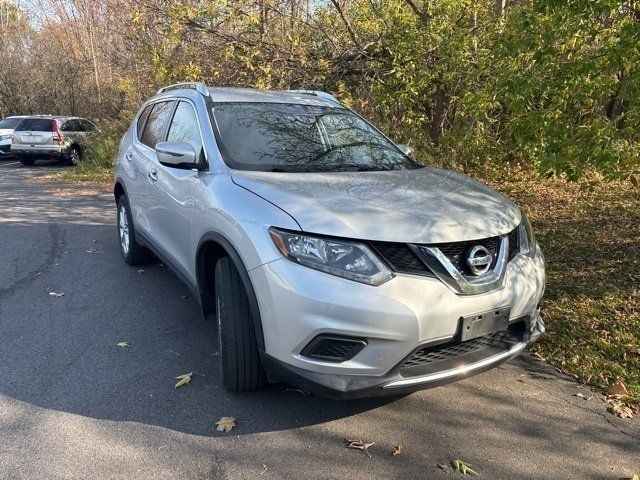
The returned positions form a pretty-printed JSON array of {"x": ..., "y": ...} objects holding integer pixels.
[
  {"x": 634, "y": 477},
  {"x": 216, "y": 354},
  {"x": 578, "y": 395},
  {"x": 620, "y": 410},
  {"x": 359, "y": 445},
  {"x": 618, "y": 388},
  {"x": 93, "y": 250},
  {"x": 226, "y": 424},
  {"x": 442, "y": 466},
  {"x": 39, "y": 273},
  {"x": 464, "y": 468},
  {"x": 264, "y": 469},
  {"x": 54, "y": 294},
  {"x": 183, "y": 379},
  {"x": 123, "y": 344},
  {"x": 141, "y": 270},
  {"x": 538, "y": 356},
  {"x": 397, "y": 450}
]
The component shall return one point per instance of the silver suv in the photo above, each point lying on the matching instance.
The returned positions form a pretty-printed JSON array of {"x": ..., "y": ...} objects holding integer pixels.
[
  {"x": 327, "y": 256},
  {"x": 50, "y": 137}
]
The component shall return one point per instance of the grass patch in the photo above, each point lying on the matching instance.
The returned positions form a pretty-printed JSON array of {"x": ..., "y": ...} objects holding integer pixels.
[{"x": 591, "y": 240}]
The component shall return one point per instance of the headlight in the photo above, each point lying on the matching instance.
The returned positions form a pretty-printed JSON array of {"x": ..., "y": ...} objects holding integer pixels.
[
  {"x": 528, "y": 241},
  {"x": 342, "y": 258},
  {"x": 5, "y": 137}
]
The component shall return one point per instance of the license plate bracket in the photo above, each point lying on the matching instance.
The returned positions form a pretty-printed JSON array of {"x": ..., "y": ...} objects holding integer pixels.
[{"x": 484, "y": 323}]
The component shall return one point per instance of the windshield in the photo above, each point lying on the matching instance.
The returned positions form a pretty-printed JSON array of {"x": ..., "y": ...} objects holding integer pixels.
[
  {"x": 302, "y": 138},
  {"x": 9, "y": 122}
]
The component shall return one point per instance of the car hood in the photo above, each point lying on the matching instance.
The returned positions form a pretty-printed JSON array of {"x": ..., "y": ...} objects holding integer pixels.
[{"x": 414, "y": 206}]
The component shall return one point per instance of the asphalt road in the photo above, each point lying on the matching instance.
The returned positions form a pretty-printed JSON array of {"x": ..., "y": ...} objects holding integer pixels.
[{"x": 74, "y": 405}]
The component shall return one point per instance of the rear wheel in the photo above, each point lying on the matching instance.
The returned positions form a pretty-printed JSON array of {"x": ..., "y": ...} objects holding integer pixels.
[
  {"x": 132, "y": 252},
  {"x": 74, "y": 156},
  {"x": 27, "y": 161},
  {"x": 240, "y": 363}
]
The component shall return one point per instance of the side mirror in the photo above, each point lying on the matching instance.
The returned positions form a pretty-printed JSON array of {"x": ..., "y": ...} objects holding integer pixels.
[
  {"x": 407, "y": 150},
  {"x": 176, "y": 155}
]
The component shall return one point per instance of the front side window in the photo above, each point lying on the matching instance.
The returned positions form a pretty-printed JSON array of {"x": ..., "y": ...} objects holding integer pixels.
[
  {"x": 72, "y": 126},
  {"x": 9, "y": 123},
  {"x": 302, "y": 138},
  {"x": 87, "y": 125},
  {"x": 184, "y": 128},
  {"x": 156, "y": 125}
]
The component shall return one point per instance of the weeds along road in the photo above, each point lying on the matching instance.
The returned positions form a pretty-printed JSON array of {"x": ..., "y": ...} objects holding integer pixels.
[{"x": 74, "y": 405}]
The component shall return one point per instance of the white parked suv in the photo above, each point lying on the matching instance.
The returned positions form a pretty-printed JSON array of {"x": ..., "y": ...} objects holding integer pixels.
[
  {"x": 327, "y": 256},
  {"x": 7, "y": 126}
]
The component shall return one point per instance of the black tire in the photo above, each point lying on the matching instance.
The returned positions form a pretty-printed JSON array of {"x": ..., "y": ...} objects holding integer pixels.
[
  {"x": 240, "y": 364},
  {"x": 27, "y": 161},
  {"x": 74, "y": 156},
  {"x": 134, "y": 253}
]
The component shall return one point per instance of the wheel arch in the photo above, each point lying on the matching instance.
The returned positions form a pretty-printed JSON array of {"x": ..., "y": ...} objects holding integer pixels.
[
  {"x": 119, "y": 190},
  {"x": 211, "y": 247}
]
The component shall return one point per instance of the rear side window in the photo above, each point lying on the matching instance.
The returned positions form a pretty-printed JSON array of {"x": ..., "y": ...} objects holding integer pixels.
[
  {"x": 156, "y": 125},
  {"x": 142, "y": 119},
  {"x": 35, "y": 125}
]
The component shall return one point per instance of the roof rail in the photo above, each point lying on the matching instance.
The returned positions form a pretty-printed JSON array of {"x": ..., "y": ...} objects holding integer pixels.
[
  {"x": 317, "y": 93},
  {"x": 199, "y": 87}
]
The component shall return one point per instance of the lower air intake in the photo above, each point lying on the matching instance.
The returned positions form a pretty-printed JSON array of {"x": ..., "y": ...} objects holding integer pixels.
[{"x": 333, "y": 348}]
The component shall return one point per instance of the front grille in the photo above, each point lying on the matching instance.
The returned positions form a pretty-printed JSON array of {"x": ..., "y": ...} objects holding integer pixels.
[
  {"x": 453, "y": 353},
  {"x": 402, "y": 259},
  {"x": 457, "y": 252},
  {"x": 333, "y": 348}
]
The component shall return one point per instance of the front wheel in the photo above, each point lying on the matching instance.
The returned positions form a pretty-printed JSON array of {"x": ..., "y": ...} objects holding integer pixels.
[
  {"x": 240, "y": 363},
  {"x": 132, "y": 252}
]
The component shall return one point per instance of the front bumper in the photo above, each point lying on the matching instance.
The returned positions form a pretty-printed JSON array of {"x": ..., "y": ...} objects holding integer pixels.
[
  {"x": 393, "y": 383},
  {"x": 298, "y": 303}
]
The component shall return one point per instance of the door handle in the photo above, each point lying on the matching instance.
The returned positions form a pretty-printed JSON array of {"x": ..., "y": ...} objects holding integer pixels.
[
  {"x": 153, "y": 175},
  {"x": 128, "y": 157}
]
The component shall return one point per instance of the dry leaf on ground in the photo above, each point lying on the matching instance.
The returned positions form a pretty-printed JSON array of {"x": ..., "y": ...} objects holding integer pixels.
[
  {"x": 141, "y": 270},
  {"x": 619, "y": 409},
  {"x": 123, "y": 344},
  {"x": 397, "y": 450},
  {"x": 225, "y": 424},
  {"x": 463, "y": 467},
  {"x": 618, "y": 388},
  {"x": 359, "y": 445},
  {"x": 93, "y": 250},
  {"x": 183, "y": 379},
  {"x": 55, "y": 294}
]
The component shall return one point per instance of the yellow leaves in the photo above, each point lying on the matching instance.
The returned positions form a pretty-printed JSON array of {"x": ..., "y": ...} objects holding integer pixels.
[
  {"x": 463, "y": 467},
  {"x": 183, "y": 379},
  {"x": 397, "y": 450},
  {"x": 226, "y": 424}
]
